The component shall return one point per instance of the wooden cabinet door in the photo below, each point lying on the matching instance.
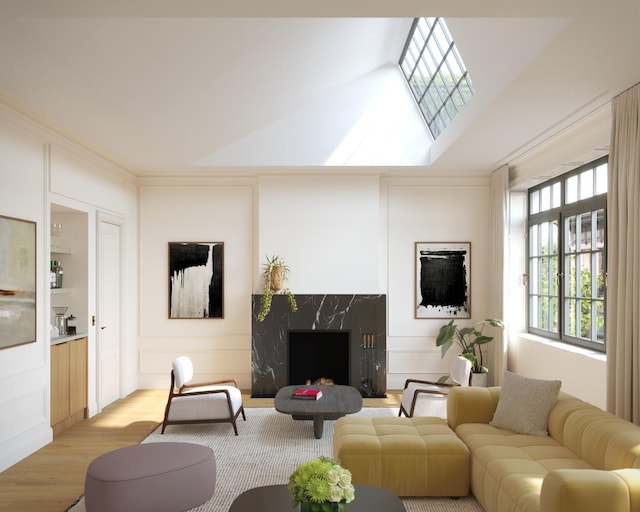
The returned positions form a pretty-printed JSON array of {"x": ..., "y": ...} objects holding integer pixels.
[
  {"x": 77, "y": 375},
  {"x": 59, "y": 382}
]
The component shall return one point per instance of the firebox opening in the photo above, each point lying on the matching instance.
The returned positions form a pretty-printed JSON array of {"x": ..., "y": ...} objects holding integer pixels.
[{"x": 316, "y": 355}]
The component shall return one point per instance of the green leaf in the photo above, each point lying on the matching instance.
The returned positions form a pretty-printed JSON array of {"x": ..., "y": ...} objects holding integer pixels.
[
  {"x": 481, "y": 340},
  {"x": 445, "y": 346},
  {"x": 494, "y": 323},
  {"x": 446, "y": 334},
  {"x": 466, "y": 330}
]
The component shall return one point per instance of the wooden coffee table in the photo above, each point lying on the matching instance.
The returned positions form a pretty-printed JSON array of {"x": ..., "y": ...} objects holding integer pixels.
[
  {"x": 336, "y": 401},
  {"x": 276, "y": 498}
]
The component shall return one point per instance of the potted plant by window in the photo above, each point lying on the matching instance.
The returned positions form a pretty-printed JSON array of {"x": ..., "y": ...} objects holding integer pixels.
[
  {"x": 469, "y": 340},
  {"x": 275, "y": 273}
]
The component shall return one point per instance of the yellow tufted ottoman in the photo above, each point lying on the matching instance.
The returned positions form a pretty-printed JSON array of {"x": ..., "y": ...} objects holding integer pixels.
[{"x": 407, "y": 456}]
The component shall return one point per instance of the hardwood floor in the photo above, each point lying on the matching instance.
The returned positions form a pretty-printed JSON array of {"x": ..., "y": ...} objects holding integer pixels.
[{"x": 52, "y": 479}]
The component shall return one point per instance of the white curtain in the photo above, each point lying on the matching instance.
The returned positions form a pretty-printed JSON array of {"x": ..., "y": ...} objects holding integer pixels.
[
  {"x": 623, "y": 258},
  {"x": 498, "y": 268}
]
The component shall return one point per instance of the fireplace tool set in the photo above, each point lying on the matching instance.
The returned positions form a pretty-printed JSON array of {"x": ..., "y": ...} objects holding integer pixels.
[{"x": 369, "y": 364}]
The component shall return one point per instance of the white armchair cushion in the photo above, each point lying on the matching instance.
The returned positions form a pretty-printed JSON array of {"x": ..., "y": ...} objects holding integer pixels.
[
  {"x": 204, "y": 407},
  {"x": 427, "y": 404}
]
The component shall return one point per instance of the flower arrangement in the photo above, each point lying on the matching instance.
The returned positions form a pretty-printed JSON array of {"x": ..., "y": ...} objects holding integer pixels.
[{"x": 321, "y": 485}]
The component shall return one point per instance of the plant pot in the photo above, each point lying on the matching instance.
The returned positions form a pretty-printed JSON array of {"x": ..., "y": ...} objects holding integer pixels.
[
  {"x": 479, "y": 380},
  {"x": 277, "y": 280}
]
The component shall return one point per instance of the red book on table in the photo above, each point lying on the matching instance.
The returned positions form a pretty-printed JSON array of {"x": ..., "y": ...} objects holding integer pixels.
[{"x": 309, "y": 394}]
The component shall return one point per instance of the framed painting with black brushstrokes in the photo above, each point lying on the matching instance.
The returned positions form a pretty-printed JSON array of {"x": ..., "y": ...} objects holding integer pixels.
[
  {"x": 443, "y": 279},
  {"x": 196, "y": 280}
]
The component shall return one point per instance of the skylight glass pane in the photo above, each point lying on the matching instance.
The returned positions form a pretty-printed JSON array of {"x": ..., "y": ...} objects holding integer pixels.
[{"x": 435, "y": 72}]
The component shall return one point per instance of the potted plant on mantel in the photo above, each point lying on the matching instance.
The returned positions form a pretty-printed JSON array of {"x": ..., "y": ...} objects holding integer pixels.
[
  {"x": 470, "y": 341},
  {"x": 275, "y": 273}
]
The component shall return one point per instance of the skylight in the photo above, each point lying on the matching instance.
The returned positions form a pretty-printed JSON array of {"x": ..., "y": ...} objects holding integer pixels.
[{"x": 435, "y": 73}]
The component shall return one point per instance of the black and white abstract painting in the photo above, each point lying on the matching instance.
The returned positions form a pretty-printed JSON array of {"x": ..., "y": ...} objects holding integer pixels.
[
  {"x": 443, "y": 279},
  {"x": 196, "y": 271}
]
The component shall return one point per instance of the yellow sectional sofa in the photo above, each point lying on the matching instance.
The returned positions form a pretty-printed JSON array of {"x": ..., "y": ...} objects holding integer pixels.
[{"x": 588, "y": 462}]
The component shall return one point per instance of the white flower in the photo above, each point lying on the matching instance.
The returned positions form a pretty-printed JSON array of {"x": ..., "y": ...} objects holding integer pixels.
[
  {"x": 337, "y": 494},
  {"x": 345, "y": 478},
  {"x": 349, "y": 494},
  {"x": 333, "y": 476}
]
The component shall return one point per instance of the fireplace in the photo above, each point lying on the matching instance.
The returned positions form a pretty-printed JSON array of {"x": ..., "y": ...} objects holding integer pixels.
[
  {"x": 361, "y": 317},
  {"x": 318, "y": 357}
]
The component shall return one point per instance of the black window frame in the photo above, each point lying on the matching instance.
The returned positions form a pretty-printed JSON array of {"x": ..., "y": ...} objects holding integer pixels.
[{"x": 559, "y": 214}]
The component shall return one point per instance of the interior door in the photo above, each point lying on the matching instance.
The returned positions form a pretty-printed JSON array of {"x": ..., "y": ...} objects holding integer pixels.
[{"x": 109, "y": 321}]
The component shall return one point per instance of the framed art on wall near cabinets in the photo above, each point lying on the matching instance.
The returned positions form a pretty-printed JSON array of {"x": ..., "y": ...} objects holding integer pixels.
[
  {"x": 442, "y": 279},
  {"x": 196, "y": 280},
  {"x": 17, "y": 282}
]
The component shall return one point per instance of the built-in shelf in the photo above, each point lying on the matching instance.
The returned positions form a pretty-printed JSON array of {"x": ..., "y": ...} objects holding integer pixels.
[
  {"x": 57, "y": 291},
  {"x": 61, "y": 250}
]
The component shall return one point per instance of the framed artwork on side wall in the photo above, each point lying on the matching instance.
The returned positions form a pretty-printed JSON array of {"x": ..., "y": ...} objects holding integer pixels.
[
  {"x": 443, "y": 279},
  {"x": 17, "y": 282},
  {"x": 196, "y": 280}
]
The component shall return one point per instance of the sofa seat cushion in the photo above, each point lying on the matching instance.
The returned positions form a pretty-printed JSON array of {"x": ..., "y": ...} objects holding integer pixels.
[
  {"x": 407, "y": 456},
  {"x": 507, "y": 468}
]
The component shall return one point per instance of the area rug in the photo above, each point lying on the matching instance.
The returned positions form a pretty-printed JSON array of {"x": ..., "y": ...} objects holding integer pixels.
[{"x": 269, "y": 447}]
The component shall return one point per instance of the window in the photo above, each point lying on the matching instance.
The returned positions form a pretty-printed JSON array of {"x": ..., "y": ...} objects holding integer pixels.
[
  {"x": 435, "y": 72},
  {"x": 567, "y": 256}
]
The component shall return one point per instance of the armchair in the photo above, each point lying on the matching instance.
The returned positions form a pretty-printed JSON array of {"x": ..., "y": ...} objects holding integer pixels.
[
  {"x": 206, "y": 402},
  {"x": 428, "y": 398}
]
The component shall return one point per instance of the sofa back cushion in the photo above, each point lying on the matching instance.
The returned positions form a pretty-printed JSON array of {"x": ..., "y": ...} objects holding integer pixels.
[
  {"x": 602, "y": 439},
  {"x": 525, "y": 404}
]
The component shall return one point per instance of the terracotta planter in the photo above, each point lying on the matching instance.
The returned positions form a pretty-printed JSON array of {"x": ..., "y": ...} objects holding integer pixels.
[{"x": 277, "y": 280}]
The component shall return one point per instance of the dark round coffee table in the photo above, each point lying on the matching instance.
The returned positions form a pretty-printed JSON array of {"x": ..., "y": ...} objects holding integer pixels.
[
  {"x": 336, "y": 401},
  {"x": 276, "y": 498}
]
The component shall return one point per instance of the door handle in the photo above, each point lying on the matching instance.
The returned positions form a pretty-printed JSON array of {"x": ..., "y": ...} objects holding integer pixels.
[{"x": 103, "y": 327}]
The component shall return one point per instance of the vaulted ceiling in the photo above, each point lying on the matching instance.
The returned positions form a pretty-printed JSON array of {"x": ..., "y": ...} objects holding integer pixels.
[{"x": 243, "y": 87}]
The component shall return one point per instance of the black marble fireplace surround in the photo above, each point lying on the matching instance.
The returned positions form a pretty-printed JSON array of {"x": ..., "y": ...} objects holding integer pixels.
[{"x": 362, "y": 316}]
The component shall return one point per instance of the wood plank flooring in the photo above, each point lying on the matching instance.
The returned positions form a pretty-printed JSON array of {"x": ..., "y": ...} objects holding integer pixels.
[{"x": 52, "y": 479}]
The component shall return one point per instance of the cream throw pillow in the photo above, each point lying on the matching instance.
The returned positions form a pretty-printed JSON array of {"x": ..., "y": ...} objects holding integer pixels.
[{"x": 525, "y": 404}]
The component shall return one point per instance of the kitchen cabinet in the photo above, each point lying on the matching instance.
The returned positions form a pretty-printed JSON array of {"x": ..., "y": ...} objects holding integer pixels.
[{"x": 68, "y": 384}]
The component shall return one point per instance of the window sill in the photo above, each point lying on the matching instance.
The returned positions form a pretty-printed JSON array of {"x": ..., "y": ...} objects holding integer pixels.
[{"x": 599, "y": 356}]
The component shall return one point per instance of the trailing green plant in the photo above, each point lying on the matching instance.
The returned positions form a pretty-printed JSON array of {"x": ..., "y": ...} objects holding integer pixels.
[
  {"x": 275, "y": 273},
  {"x": 469, "y": 340}
]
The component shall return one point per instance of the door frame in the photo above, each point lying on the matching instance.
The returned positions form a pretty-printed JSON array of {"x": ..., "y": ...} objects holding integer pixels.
[{"x": 105, "y": 217}]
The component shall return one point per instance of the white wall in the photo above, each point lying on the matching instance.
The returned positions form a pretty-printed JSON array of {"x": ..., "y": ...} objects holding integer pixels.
[
  {"x": 201, "y": 211},
  {"x": 38, "y": 167},
  {"x": 327, "y": 230},
  {"x": 24, "y": 370},
  {"x": 430, "y": 210}
]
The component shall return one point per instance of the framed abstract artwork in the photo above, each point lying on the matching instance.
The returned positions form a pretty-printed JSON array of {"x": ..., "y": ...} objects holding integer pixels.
[
  {"x": 443, "y": 279},
  {"x": 17, "y": 282},
  {"x": 196, "y": 280}
]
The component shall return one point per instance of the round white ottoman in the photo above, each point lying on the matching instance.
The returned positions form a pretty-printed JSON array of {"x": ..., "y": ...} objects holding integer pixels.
[{"x": 151, "y": 477}]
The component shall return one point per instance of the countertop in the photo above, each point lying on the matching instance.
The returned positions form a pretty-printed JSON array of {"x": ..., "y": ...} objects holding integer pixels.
[{"x": 68, "y": 337}]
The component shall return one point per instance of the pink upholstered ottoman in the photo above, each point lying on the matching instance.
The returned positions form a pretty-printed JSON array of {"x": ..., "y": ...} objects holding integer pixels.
[{"x": 151, "y": 477}]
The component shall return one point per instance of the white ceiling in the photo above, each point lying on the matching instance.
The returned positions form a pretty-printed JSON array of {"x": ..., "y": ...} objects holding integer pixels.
[{"x": 200, "y": 87}]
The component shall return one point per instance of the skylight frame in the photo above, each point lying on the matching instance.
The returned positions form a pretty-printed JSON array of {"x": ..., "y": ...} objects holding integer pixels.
[{"x": 435, "y": 72}]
